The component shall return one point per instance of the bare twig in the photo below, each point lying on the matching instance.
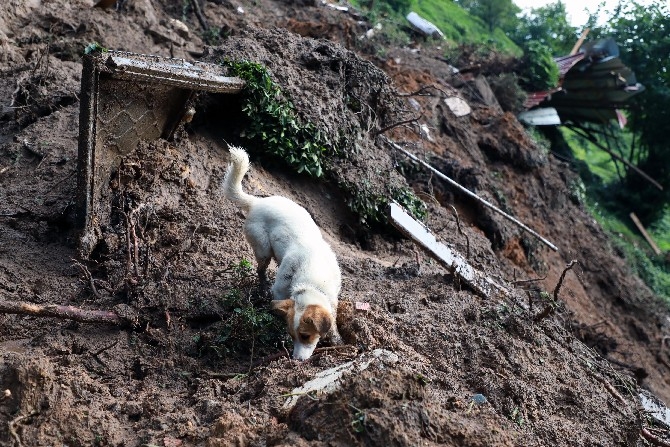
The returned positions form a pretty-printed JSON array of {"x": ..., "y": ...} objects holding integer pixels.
[
  {"x": 419, "y": 92},
  {"x": 63, "y": 312},
  {"x": 458, "y": 224},
  {"x": 89, "y": 277},
  {"x": 560, "y": 281},
  {"x": 96, "y": 354},
  {"x": 399, "y": 123},
  {"x": 549, "y": 308},
  {"x": 100, "y": 351},
  {"x": 610, "y": 389},
  {"x": 199, "y": 15},
  {"x": 646, "y": 434},
  {"x": 129, "y": 260},
  {"x": 472, "y": 195},
  {"x": 12, "y": 426},
  {"x": 136, "y": 251},
  {"x": 270, "y": 358},
  {"x": 582, "y": 132},
  {"x": 527, "y": 281}
]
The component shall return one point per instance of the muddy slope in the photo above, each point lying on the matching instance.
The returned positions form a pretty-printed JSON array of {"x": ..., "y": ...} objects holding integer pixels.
[{"x": 463, "y": 370}]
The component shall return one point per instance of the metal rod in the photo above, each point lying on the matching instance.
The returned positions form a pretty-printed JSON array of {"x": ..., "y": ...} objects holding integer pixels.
[{"x": 473, "y": 195}]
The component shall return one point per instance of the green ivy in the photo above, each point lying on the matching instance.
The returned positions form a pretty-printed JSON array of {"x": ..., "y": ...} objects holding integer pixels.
[
  {"x": 275, "y": 128},
  {"x": 274, "y": 124},
  {"x": 372, "y": 208},
  {"x": 94, "y": 47}
]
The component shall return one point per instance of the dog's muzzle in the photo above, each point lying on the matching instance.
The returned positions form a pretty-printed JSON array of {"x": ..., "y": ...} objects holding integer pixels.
[{"x": 302, "y": 351}]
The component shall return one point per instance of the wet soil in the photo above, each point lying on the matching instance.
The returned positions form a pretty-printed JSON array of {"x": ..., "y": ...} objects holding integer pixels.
[{"x": 515, "y": 369}]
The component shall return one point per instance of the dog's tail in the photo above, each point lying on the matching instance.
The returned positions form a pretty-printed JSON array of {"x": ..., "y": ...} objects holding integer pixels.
[{"x": 232, "y": 182}]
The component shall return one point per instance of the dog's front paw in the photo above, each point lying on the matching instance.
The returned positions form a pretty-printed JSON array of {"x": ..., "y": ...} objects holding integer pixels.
[{"x": 334, "y": 338}]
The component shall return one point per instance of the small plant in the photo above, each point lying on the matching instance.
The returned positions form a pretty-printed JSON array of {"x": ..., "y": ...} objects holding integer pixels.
[
  {"x": 517, "y": 417},
  {"x": 358, "y": 420},
  {"x": 371, "y": 207},
  {"x": 247, "y": 328},
  {"x": 94, "y": 48},
  {"x": 274, "y": 124},
  {"x": 423, "y": 380},
  {"x": 212, "y": 36},
  {"x": 509, "y": 94}
]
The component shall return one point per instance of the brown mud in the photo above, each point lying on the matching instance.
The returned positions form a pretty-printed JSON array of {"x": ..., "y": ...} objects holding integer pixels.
[{"x": 187, "y": 372}]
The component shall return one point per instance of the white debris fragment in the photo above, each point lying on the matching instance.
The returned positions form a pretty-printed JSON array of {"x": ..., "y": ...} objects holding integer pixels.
[
  {"x": 372, "y": 31},
  {"x": 424, "y": 130},
  {"x": 424, "y": 26},
  {"x": 458, "y": 106},
  {"x": 179, "y": 27},
  {"x": 328, "y": 381},
  {"x": 334, "y": 6}
]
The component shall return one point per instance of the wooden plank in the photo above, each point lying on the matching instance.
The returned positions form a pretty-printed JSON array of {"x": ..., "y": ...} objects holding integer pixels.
[
  {"x": 579, "y": 42},
  {"x": 451, "y": 259},
  {"x": 648, "y": 238}
]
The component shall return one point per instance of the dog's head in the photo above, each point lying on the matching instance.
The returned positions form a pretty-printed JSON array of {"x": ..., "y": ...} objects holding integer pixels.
[{"x": 306, "y": 326}]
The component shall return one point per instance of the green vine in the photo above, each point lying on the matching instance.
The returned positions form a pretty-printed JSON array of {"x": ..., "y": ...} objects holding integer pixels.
[
  {"x": 275, "y": 128},
  {"x": 274, "y": 123},
  {"x": 371, "y": 208}
]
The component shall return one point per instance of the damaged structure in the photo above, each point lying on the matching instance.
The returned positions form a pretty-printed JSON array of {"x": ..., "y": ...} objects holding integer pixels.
[
  {"x": 125, "y": 98},
  {"x": 594, "y": 86}
]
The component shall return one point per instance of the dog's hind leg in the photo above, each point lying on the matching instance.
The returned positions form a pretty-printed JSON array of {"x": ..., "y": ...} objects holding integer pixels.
[
  {"x": 262, "y": 269},
  {"x": 260, "y": 244}
]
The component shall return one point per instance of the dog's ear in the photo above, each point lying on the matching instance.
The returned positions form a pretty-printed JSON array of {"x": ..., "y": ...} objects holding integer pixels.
[
  {"x": 282, "y": 307},
  {"x": 317, "y": 319}
]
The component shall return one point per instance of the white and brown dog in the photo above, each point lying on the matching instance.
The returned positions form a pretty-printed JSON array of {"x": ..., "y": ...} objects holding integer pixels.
[{"x": 308, "y": 277}]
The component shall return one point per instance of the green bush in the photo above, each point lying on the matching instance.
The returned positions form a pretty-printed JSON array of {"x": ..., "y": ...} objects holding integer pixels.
[
  {"x": 509, "y": 94},
  {"x": 539, "y": 71},
  {"x": 246, "y": 328}
]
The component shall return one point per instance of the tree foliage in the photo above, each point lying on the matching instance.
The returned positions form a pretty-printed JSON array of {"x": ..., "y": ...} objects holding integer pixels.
[
  {"x": 643, "y": 36},
  {"x": 494, "y": 13},
  {"x": 547, "y": 25}
]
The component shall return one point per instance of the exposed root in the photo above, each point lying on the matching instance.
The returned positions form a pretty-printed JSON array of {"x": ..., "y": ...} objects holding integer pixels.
[
  {"x": 560, "y": 281},
  {"x": 458, "y": 225},
  {"x": 12, "y": 427},
  {"x": 646, "y": 434}
]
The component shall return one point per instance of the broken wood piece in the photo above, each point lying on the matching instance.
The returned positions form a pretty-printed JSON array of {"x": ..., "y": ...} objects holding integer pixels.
[
  {"x": 480, "y": 283},
  {"x": 64, "y": 312},
  {"x": 329, "y": 380},
  {"x": 646, "y": 235},
  {"x": 472, "y": 195},
  {"x": 580, "y": 41}
]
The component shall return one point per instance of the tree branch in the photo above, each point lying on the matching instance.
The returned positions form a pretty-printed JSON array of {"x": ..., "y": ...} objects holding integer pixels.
[{"x": 63, "y": 312}]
